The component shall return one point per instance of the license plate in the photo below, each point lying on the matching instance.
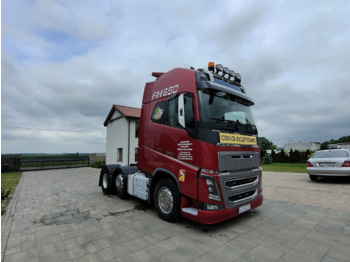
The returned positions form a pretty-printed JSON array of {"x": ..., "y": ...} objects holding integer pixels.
[
  {"x": 327, "y": 164},
  {"x": 244, "y": 208}
]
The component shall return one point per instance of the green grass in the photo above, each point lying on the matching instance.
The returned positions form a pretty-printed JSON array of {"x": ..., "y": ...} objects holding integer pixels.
[
  {"x": 9, "y": 181},
  {"x": 285, "y": 167},
  {"x": 44, "y": 164}
]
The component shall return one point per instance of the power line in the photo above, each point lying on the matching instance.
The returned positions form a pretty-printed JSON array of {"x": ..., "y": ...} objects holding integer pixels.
[{"x": 52, "y": 130}]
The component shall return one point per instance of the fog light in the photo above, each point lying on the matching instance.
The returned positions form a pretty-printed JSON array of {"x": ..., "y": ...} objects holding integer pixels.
[{"x": 212, "y": 207}]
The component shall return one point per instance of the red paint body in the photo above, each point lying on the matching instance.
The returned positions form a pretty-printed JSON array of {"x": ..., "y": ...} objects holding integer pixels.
[{"x": 189, "y": 160}]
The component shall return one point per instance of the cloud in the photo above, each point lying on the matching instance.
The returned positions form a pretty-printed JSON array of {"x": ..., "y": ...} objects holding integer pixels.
[{"x": 64, "y": 63}]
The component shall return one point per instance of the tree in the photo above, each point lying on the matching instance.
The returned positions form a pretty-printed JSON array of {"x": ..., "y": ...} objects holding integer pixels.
[
  {"x": 343, "y": 139},
  {"x": 282, "y": 158},
  {"x": 291, "y": 157},
  {"x": 306, "y": 156},
  {"x": 274, "y": 156},
  {"x": 265, "y": 144},
  {"x": 297, "y": 156}
]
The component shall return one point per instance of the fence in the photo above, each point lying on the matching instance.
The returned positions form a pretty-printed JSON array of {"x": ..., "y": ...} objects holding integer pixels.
[{"x": 23, "y": 163}]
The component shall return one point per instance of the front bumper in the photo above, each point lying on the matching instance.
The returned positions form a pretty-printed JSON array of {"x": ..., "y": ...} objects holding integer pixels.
[{"x": 213, "y": 217}]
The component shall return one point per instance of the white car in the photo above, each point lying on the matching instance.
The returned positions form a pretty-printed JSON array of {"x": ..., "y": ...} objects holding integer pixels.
[{"x": 333, "y": 162}]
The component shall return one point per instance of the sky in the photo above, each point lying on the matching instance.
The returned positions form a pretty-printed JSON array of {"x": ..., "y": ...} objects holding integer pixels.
[{"x": 65, "y": 63}]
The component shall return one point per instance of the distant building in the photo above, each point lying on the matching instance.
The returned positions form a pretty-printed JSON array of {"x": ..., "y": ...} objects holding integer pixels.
[
  {"x": 122, "y": 125},
  {"x": 301, "y": 146},
  {"x": 270, "y": 151},
  {"x": 340, "y": 145}
]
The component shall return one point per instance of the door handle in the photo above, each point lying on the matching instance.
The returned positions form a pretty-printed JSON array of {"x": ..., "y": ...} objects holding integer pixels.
[{"x": 168, "y": 153}]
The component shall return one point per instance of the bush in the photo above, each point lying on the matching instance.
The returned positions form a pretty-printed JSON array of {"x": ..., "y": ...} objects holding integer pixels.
[
  {"x": 266, "y": 159},
  {"x": 5, "y": 194},
  {"x": 99, "y": 164}
]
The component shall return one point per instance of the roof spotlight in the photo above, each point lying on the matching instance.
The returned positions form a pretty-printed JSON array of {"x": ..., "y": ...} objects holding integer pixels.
[
  {"x": 226, "y": 72},
  {"x": 238, "y": 77},
  {"x": 219, "y": 68},
  {"x": 231, "y": 74}
]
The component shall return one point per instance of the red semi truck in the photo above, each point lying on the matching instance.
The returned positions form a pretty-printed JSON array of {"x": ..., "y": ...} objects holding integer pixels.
[{"x": 198, "y": 153}]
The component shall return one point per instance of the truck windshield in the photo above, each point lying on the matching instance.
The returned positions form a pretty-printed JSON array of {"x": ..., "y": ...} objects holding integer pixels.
[{"x": 221, "y": 106}]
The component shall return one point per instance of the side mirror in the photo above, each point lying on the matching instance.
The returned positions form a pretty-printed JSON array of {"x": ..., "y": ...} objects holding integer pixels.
[{"x": 181, "y": 110}]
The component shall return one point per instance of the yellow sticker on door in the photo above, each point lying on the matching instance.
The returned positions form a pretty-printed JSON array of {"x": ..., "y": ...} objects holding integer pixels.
[{"x": 182, "y": 175}]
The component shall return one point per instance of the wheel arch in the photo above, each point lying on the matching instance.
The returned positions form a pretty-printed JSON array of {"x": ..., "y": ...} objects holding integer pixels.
[{"x": 161, "y": 173}]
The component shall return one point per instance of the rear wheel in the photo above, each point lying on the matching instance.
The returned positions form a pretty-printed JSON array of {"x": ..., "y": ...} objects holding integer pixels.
[
  {"x": 167, "y": 200},
  {"x": 121, "y": 185},
  {"x": 313, "y": 177},
  {"x": 106, "y": 183}
]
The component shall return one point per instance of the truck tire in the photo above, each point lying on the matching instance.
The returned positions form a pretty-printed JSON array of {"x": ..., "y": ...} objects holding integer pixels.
[
  {"x": 121, "y": 185},
  {"x": 167, "y": 200},
  {"x": 106, "y": 183}
]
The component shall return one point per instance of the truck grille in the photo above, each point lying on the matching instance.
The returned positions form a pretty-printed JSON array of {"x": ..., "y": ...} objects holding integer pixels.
[
  {"x": 241, "y": 196},
  {"x": 237, "y": 160},
  {"x": 239, "y": 177}
]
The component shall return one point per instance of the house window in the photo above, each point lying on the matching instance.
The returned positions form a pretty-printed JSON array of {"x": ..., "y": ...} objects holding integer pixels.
[
  {"x": 120, "y": 155},
  {"x": 137, "y": 126}
]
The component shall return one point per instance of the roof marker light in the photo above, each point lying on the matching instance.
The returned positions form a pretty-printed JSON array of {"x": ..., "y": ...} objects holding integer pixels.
[{"x": 211, "y": 66}]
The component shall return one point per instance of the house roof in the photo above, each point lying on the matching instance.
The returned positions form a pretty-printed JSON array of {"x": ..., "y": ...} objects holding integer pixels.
[{"x": 125, "y": 111}]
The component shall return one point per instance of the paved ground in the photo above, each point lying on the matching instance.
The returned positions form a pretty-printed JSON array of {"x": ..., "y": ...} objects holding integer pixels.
[{"x": 62, "y": 215}]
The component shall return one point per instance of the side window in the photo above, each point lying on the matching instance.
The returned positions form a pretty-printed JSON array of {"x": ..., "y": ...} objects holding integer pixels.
[
  {"x": 166, "y": 112},
  {"x": 173, "y": 119},
  {"x": 189, "y": 111},
  {"x": 160, "y": 113}
]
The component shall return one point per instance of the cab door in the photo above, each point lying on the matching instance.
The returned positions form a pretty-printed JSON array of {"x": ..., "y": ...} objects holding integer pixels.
[{"x": 179, "y": 147}]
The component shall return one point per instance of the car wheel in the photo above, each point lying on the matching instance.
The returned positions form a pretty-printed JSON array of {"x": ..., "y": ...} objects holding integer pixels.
[
  {"x": 167, "y": 200},
  {"x": 121, "y": 185},
  {"x": 313, "y": 177}
]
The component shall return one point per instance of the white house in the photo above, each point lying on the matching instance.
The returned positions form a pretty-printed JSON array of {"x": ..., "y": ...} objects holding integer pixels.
[
  {"x": 301, "y": 146},
  {"x": 122, "y": 125}
]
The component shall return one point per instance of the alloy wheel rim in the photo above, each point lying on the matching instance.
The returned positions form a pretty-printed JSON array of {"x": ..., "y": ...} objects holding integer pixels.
[{"x": 165, "y": 200}]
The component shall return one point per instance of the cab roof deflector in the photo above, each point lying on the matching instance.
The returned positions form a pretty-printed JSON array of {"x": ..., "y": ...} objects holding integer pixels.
[{"x": 157, "y": 74}]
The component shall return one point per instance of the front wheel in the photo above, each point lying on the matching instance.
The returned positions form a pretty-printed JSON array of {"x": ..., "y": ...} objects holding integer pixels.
[{"x": 167, "y": 200}]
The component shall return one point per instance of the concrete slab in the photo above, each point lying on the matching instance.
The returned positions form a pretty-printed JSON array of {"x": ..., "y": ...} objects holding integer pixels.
[{"x": 62, "y": 215}]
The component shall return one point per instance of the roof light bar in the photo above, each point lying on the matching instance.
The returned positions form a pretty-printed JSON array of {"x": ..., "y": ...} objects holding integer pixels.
[{"x": 224, "y": 73}]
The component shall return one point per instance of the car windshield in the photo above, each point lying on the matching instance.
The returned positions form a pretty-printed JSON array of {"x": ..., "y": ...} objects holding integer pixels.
[
  {"x": 221, "y": 106},
  {"x": 330, "y": 154}
]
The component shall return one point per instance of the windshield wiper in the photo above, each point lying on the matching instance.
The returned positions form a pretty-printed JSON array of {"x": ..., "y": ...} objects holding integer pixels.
[
  {"x": 248, "y": 127},
  {"x": 222, "y": 119}
]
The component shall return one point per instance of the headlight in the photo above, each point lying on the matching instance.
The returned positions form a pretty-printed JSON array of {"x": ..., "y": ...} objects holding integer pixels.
[{"x": 213, "y": 190}]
